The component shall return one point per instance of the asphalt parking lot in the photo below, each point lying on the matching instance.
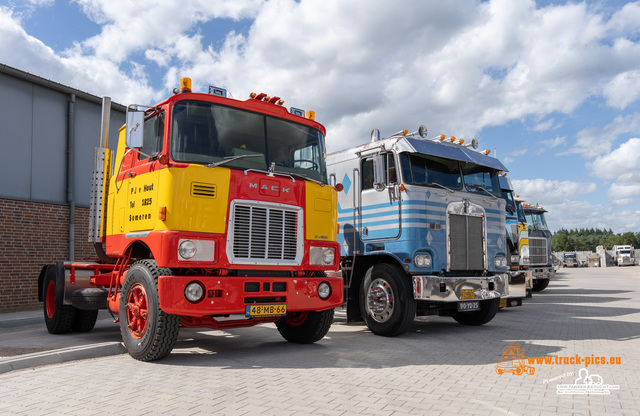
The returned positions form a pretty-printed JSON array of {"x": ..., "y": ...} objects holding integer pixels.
[{"x": 438, "y": 367}]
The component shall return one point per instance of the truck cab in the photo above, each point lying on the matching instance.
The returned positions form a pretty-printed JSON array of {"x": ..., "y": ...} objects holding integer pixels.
[
  {"x": 215, "y": 213},
  {"x": 519, "y": 274},
  {"x": 422, "y": 230},
  {"x": 539, "y": 238}
]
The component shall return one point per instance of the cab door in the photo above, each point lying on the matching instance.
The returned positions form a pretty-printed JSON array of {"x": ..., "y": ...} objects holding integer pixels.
[{"x": 380, "y": 203}]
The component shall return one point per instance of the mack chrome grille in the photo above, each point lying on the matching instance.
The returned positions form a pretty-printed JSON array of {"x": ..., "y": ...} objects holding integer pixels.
[
  {"x": 538, "y": 251},
  {"x": 466, "y": 242},
  {"x": 265, "y": 234}
]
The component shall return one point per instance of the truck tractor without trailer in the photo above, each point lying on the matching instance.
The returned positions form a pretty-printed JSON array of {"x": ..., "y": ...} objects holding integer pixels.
[
  {"x": 519, "y": 274},
  {"x": 422, "y": 230},
  {"x": 216, "y": 214},
  {"x": 624, "y": 255},
  {"x": 540, "y": 258}
]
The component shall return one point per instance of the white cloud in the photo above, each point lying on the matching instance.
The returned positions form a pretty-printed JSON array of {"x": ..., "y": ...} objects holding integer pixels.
[
  {"x": 623, "y": 89},
  {"x": 552, "y": 143},
  {"x": 570, "y": 214},
  {"x": 594, "y": 141},
  {"x": 623, "y": 160},
  {"x": 545, "y": 192}
]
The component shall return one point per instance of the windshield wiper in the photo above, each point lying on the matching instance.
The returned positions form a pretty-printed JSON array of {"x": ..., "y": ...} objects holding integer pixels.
[
  {"x": 229, "y": 159},
  {"x": 482, "y": 188},
  {"x": 301, "y": 175},
  {"x": 440, "y": 186}
]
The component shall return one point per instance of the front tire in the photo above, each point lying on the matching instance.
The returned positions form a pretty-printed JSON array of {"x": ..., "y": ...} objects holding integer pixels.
[
  {"x": 59, "y": 318},
  {"x": 305, "y": 327},
  {"x": 488, "y": 309},
  {"x": 540, "y": 284},
  {"x": 148, "y": 333},
  {"x": 386, "y": 300}
]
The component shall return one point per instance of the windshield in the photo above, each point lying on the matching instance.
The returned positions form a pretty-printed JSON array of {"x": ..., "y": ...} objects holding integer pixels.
[
  {"x": 481, "y": 179},
  {"x": 430, "y": 171},
  {"x": 511, "y": 203},
  {"x": 625, "y": 251},
  {"x": 208, "y": 133},
  {"x": 536, "y": 221},
  {"x": 521, "y": 217}
]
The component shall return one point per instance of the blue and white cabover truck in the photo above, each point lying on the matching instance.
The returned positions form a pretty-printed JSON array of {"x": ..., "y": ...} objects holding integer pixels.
[
  {"x": 519, "y": 275},
  {"x": 422, "y": 229}
]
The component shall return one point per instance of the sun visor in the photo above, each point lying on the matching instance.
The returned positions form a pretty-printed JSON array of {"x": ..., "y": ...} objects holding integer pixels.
[{"x": 447, "y": 151}]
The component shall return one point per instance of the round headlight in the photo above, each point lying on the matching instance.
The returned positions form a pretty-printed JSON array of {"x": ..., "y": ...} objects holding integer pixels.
[
  {"x": 500, "y": 262},
  {"x": 187, "y": 249},
  {"x": 328, "y": 256},
  {"x": 194, "y": 292},
  {"x": 324, "y": 290},
  {"x": 422, "y": 260}
]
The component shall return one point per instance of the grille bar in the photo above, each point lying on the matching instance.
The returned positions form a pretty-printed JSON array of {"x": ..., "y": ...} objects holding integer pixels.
[
  {"x": 466, "y": 242},
  {"x": 265, "y": 234},
  {"x": 538, "y": 251}
]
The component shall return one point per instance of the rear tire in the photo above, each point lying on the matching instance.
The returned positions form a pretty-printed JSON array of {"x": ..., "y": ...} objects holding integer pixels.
[
  {"x": 148, "y": 333},
  {"x": 540, "y": 284},
  {"x": 488, "y": 309},
  {"x": 85, "y": 320},
  {"x": 305, "y": 327},
  {"x": 59, "y": 318},
  {"x": 386, "y": 300}
]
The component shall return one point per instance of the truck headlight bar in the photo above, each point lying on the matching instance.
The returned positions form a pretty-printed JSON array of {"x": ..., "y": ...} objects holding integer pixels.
[
  {"x": 196, "y": 250},
  {"x": 321, "y": 256},
  {"x": 422, "y": 260}
]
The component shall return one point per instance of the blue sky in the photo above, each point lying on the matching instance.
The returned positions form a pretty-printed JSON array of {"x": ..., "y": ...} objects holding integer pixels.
[{"x": 551, "y": 87}]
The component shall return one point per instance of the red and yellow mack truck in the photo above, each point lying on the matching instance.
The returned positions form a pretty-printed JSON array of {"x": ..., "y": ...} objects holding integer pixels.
[{"x": 217, "y": 213}]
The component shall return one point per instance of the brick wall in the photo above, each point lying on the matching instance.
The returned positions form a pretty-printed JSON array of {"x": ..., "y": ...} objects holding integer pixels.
[{"x": 32, "y": 235}]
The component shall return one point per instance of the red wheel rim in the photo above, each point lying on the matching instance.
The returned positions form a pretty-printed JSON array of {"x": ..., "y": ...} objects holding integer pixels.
[
  {"x": 137, "y": 310},
  {"x": 296, "y": 318},
  {"x": 51, "y": 299}
]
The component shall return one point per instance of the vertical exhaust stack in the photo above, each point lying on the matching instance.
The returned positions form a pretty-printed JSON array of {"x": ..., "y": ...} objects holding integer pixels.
[{"x": 100, "y": 184}]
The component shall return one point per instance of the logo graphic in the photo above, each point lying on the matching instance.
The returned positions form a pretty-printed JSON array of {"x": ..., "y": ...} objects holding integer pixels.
[
  {"x": 513, "y": 361},
  {"x": 586, "y": 384}
]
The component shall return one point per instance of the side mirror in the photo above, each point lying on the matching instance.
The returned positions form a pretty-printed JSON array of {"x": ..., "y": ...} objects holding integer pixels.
[
  {"x": 378, "y": 173},
  {"x": 134, "y": 129}
]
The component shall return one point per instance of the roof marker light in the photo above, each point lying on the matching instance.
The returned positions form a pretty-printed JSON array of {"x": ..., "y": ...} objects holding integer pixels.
[
  {"x": 486, "y": 152},
  {"x": 185, "y": 84},
  {"x": 311, "y": 115}
]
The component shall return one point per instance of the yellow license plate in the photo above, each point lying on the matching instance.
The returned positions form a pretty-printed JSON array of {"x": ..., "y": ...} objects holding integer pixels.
[
  {"x": 468, "y": 294},
  {"x": 503, "y": 303},
  {"x": 266, "y": 310}
]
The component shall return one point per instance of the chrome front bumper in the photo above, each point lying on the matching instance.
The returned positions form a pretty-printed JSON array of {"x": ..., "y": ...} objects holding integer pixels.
[
  {"x": 545, "y": 272},
  {"x": 518, "y": 283},
  {"x": 456, "y": 289}
]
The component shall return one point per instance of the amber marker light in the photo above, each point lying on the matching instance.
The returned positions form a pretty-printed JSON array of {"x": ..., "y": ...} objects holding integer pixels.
[
  {"x": 162, "y": 213},
  {"x": 453, "y": 139},
  {"x": 402, "y": 187},
  {"x": 185, "y": 84},
  {"x": 311, "y": 115}
]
